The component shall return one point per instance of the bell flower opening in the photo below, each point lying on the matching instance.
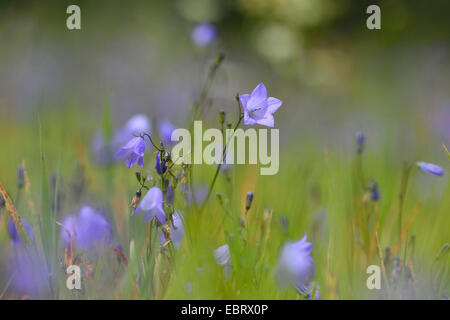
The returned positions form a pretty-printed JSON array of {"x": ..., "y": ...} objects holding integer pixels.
[
  {"x": 258, "y": 108},
  {"x": 133, "y": 152}
]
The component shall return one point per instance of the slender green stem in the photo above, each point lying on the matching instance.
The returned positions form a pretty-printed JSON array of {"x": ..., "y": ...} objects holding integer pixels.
[
  {"x": 403, "y": 188},
  {"x": 220, "y": 164}
]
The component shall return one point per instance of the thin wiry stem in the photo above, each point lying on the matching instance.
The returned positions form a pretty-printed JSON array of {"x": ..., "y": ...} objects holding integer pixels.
[
  {"x": 241, "y": 116},
  {"x": 150, "y": 138},
  {"x": 403, "y": 188}
]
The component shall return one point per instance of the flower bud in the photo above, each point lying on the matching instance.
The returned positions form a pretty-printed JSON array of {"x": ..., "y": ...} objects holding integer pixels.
[
  {"x": 248, "y": 200},
  {"x": 219, "y": 198},
  {"x": 20, "y": 177},
  {"x": 222, "y": 117},
  {"x": 374, "y": 191},
  {"x": 360, "y": 142}
]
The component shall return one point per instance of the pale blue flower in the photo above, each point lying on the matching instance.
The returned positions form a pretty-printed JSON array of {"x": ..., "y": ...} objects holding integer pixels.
[
  {"x": 430, "y": 168},
  {"x": 87, "y": 228},
  {"x": 295, "y": 265},
  {"x": 177, "y": 234},
  {"x": 135, "y": 126},
  {"x": 152, "y": 206},
  {"x": 258, "y": 108},
  {"x": 133, "y": 152},
  {"x": 204, "y": 34},
  {"x": 223, "y": 258},
  {"x": 165, "y": 129},
  {"x": 222, "y": 255},
  {"x": 28, "y": 273}
]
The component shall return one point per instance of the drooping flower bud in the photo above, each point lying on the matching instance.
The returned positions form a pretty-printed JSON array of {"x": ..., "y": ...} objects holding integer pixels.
[
  {"x": 430, "y": 169},
  {"x": 248, "y": 200}
]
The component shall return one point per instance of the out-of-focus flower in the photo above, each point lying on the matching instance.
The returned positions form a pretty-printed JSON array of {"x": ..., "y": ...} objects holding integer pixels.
[
  {"x": 20, "y": 177},
  {"x": 307, "y": 291},
  {"x": 222, "y": 255},
  {"x": 102, "y": 151},
  {"x": 204, "y": 34},
  {"x": 431, "y": 169},
  {"x": 200, "y": 194},
  {"x": 89, "y": 227},
  {"x": 170, "y": 193},
  {"x": 295, "y": 265},
  {"x": 258, "y": 108},
  {"x": 360, "y": 142},
  {"x": 223, "y": 258},
  {"x": 133, "y": 152},
  {"x": 248, "y": 200},
  {"x": 14, "y": 235},
  {"x": 178, "y": 233},
  {"x": 28, "y": 273},
  {"x": 152, "y": 206},
  {"x": 374, "y": 191},
  {"x": 158, "y": 164},
  {"x": 165, "y": 131},
  {"x": 135, "y": 126}
]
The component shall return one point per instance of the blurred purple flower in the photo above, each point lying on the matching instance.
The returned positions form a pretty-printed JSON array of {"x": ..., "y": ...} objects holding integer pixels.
[
  {"x": 223, "y": 258},
  {"x": 360, "y": 142},
  {"x": 170, "y": 193},
  {"x": 200, "y": 194},
  {"x": 295, "y": 265},
  {"x": 152, "y": 206},
  {"x": 258, "y": 108},
  {"x": 133, "y": 152},
  {"x": 102, "y": 151},
  {"x": 374, "y": 191},
  {"x": 135, "y": 126},
  {"x": 158, "y": 164},
  {"x": 177, "y": 235},
  {"x": 222, "y": 255},
  {"x": 28, "y": 272},
  {"x": 430, "y": 169},
  {"x": 89, "y": 227},
  {"x": 204, "y": 34},
  {"x": 165, "y": 131},
  {"x": 14, "y": 235}
]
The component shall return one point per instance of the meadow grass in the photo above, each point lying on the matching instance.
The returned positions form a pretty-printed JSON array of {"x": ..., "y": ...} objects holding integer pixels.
[{"x": 319, "y": 191}]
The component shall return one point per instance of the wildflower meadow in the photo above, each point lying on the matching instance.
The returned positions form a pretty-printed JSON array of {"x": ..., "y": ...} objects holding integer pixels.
[{"x": 275, "y": 150}]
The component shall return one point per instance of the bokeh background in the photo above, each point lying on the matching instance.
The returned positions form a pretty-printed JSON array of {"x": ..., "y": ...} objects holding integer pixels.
[{"x": 334, "y": 76}]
